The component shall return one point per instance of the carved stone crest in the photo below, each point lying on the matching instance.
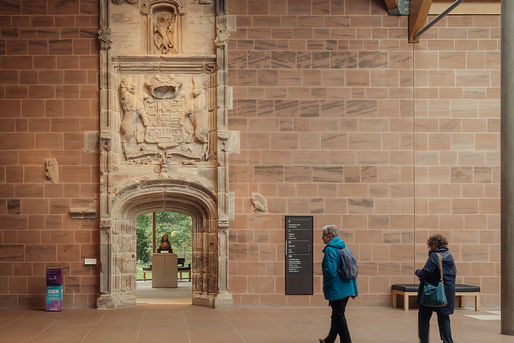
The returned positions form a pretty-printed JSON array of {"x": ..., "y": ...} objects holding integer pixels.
[
  {"x": 171, "y": 122},
  {"x": 163, "y": 25}
]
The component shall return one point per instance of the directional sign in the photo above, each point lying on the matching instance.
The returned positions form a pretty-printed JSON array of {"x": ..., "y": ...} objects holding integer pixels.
[{"x": 299, "y": 254}]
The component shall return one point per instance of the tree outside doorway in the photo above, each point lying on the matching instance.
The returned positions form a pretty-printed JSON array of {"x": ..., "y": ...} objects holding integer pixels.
[{"x": 176, "y": 225}]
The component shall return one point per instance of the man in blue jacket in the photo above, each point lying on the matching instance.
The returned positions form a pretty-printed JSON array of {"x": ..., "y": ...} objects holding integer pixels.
[{"x": 336, "y": 290}]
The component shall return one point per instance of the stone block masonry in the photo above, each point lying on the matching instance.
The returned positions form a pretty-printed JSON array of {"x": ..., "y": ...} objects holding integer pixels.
[
  {"x": 48, "y": 109},
  {"x": 342, "y": 119}
]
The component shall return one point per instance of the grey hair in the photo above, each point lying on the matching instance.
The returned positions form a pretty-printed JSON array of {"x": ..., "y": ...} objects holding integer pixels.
[{"x": 331, "y": 230}]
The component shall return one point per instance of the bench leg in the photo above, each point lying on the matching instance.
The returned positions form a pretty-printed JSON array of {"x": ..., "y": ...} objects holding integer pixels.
[
  {"x": 477, "y": 303},
  {"x": 395, "y": 300},
  {"x": 405, "y": 302},
  {"x": 144, "y": 276}
]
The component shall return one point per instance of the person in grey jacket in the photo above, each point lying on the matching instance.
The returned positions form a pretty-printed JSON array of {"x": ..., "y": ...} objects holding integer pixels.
[
  {"x": 431, "y": 274},
  {"x": 336, "y": 290}
]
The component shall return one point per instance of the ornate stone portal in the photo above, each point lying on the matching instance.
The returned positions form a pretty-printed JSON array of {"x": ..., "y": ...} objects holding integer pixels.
[{"x": 164, "y": 137}]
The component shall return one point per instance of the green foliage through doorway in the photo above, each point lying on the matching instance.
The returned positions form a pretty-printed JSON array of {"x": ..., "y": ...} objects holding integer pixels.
[{"x": 176, "y": 225}]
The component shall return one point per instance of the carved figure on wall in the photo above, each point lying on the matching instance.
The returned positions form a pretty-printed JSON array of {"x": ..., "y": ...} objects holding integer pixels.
[
  {"x": 132, "y": 128},
  {"x": 259, "y": 203},
  {"x": 51, "y": 170},
  {"x": 198, "y": 112},
  {"x": 104, "y": 36},
  {"x": 163, "y": 32}
]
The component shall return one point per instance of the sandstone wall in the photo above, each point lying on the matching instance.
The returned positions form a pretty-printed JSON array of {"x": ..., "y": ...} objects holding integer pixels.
[
  {"x": 342, "y": 119},
  {"x": 48, "y": 109},
  {"x": 339, "y": 118}
]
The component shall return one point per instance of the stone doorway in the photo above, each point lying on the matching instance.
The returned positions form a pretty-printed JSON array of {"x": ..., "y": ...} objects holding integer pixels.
[{"x": 118, "y": 275}]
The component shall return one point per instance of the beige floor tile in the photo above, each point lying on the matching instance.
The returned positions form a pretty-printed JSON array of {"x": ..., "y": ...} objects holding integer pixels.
[{"x": 182, "y": 323}]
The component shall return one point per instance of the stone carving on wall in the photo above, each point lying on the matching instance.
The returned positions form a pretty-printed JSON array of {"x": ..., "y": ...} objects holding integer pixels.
[
  {"x": 163, "y": 32},
  {"x": 259, "y": 203},
  {"x": 163, "y": 17},
  {"x": 104, "y": 36},
  {"x": 168, "y": 124},
  {"x": 132, "y": 128},
  {"x": 224, "y": 26},
  {"x": 199, "y": 116},
  {"x": 51, "y": 170}
]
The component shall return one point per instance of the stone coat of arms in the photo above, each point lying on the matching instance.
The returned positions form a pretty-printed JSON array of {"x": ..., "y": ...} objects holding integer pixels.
[{"x": 169, "y": 123}]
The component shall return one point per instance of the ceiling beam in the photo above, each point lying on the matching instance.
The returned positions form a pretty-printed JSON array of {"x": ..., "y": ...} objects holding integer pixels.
[
  {"x": 418, "y": 13},
  {"x": 391, "y": 4}
]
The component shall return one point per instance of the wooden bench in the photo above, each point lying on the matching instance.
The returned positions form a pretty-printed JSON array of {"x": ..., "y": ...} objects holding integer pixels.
[{"x": 408, "y": 290}]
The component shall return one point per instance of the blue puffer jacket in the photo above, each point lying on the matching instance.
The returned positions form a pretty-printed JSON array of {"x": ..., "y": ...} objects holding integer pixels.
[{"x": 334, "y": 287}]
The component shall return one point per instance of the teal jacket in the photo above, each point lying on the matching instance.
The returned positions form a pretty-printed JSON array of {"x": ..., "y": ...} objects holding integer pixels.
[{"x": 334, "y": 287}]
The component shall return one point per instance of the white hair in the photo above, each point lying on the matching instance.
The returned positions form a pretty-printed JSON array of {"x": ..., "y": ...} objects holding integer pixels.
[{"x": 331, "y": 230}]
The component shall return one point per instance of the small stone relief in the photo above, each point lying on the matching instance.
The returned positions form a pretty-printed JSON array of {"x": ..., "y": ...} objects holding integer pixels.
[
  {"x": 224, "y": 26},
  {"x": 163, "y": 32},
  {"x": 51, "y": 170},
  {"x": 105, "y": 224},
  {"x": 167, "y": 120},
  {"x": 104, "y": 36},
  {"x": 259, "y": 203},
  {"x": 105, "y": 142}
]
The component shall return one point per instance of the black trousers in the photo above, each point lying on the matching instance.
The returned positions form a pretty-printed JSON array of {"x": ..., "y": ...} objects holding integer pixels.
[
  {"x": 445, "y": 331},
  {"x": 338, "y": 325}
]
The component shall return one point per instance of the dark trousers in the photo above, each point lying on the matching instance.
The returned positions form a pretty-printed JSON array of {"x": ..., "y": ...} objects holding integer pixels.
[
  {"x": 445, "y": 331},
  {"x": 338, "y": 325}
]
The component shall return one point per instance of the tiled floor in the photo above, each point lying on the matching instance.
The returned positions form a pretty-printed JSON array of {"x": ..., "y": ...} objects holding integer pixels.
[
  {"x": 181, "y": 295},
  {"x": 186, "y": 323}
]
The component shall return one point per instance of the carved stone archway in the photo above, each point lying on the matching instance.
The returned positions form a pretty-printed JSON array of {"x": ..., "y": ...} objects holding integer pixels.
[{"x": 119, "y": 241}]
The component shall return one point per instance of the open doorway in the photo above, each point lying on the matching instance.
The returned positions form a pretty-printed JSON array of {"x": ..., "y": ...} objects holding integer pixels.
[{"x": 151, "y": 229}]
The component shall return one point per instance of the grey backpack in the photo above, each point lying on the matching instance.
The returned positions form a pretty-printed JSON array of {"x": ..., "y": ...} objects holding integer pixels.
[{"x": 348, "y": 265}]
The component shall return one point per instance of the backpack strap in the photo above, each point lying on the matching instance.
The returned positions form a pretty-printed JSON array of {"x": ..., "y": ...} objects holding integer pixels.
[{"x": 440, "y": 266}]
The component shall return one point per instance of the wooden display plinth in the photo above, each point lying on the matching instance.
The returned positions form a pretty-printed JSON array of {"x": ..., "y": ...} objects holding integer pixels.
[{"x": 164, "y": 270}]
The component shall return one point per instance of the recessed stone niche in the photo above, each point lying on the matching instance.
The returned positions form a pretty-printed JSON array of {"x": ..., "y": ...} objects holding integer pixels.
[{"x": 164, "y": 140}]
